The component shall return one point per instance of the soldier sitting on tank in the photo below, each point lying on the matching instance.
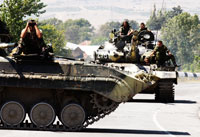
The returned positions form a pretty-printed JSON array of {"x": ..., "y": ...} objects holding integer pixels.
[
  {"x": 142, "y": 27},
  {"x": 31, "y": 40},
  {"x": 162, "y": 54},
  {"x": 145, "y": 37},
  {"x": 126, "y": 31}
]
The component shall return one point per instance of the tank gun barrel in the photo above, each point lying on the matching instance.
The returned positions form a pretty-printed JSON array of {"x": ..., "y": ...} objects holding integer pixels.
[{"x": 7, "y": 45}]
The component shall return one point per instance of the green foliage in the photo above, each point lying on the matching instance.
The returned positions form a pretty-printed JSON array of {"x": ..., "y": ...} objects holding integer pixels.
[
  {"x": 174, "y": 12},
  {"x": 106, "y": 28},
  {"x": 77, "y": 31},
  {"x": 53, "y": 21},
  {"x": 181, "y": 34},
  {"x": 13, "y": 13},
  {"x": 158, "y": 19},
  {"x": 196, "y": 63},
  {"x": 102, "y": 34},
  {"x": 53, "y": 31},
  {"x": 55, "y": 37},
  {"x": 194, "y": 67}
]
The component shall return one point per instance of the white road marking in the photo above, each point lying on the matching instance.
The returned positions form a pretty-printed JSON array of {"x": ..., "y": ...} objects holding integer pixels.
[{"x": 159, "y": 126}]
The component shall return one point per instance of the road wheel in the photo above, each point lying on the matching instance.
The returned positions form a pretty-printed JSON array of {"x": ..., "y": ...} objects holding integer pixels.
[
  {"x": 12, "y": 113},
  {"x": 72, "y": 115},
  {"x": 42, "y": 114}
]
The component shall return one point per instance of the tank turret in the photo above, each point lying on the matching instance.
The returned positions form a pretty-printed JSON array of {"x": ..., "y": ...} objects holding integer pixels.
[{"x": 131, "y": 55}]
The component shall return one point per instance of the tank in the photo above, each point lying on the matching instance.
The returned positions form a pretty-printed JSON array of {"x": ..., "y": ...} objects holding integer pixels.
[
  {"x": 130, "y": 55},
  {"x": 61, "y": 94}
]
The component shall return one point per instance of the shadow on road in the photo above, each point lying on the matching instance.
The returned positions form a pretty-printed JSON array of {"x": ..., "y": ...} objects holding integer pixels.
[
  {"x": 153, "y": 101},
  {"x": 185, "y": 101},
  {"x": 129, "y": 131},
  {"x": 143, "y": 100}
]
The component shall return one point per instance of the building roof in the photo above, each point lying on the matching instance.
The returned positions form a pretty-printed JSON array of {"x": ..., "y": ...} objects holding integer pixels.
[{"x": 87, "y": 49}]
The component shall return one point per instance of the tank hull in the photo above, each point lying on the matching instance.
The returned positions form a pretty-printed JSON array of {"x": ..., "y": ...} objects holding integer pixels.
[
  {"x": 66, "y": 88},
  {"x": 163, "y": 88}
]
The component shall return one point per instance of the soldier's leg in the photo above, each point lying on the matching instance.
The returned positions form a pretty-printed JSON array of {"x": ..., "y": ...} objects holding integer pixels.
[
  {"x": 152, "y": 60},
  {"x": 42, "y": 43},
  {"x": 173, "y": 60},
  {"x": 159, "y": 59},
  {"x": 40, "y": 46},
  {"x": 135, "y": 57},
  {"x": 19, "y": 47}
]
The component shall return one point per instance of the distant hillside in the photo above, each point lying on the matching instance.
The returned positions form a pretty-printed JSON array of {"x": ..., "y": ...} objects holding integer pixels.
[{"x": 101, "y": 11}]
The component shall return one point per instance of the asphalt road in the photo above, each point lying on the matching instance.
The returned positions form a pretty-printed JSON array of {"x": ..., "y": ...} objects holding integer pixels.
[{"x": 141, "y": 118}]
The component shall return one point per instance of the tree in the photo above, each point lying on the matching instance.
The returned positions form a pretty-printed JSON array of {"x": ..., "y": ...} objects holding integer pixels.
[
  {"x": 182, "y": 34},
  {"x": 153, "y": 23},
  {"x": 196, "y": 64},
  {"x": 55, "y": 37},
  {"x": 58, "y": 24},
  {"x": 102, "y": 34},
  {"x": 106, "y": 28},
  {"x": 13, "y": 13},
  {"x": 195, "y": 40},
  {"x": 77, "y": 31},
  {"x": 158, "y": 19},
  {"x": 174, "y": 12},
  {"x": 53, "y": 32},
  {"x": 72, "y": 34}
]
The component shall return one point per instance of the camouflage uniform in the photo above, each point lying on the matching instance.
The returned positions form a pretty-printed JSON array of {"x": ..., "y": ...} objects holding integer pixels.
[
  {"x": 161, "y": 55},
  {"x": 143, "y": 30},
  {"x": 31, "y": 43},
  {"x": 124, "y": 31}
]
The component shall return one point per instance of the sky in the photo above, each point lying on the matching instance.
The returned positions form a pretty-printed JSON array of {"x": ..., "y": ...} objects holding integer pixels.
[{"x": 100, "y": 11}]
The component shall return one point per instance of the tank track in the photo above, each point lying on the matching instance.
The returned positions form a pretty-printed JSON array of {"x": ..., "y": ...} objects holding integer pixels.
[
  {"x": 165, "y": 92},
  {"x": 102, "y": 112}
]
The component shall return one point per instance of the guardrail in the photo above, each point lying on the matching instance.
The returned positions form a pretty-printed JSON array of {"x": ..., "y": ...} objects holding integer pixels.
[
  {"x": 188, "y": 74},
  {"x": 185, "y": 76}
]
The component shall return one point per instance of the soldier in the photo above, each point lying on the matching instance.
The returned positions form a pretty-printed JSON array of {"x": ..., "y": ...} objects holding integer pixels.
[
  {"x": 142, "y": 27},
  {"x": 31, "y": 40},
  {"x": 126, "y": 31},
  {"x": 162, "y": 54},
  {"x": 3, "y": 28}
]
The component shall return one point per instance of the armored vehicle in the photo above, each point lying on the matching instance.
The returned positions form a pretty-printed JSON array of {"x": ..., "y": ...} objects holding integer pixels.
[
  {"x": 131, "y": 55},
  {"x": 35, "y": 90}
]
